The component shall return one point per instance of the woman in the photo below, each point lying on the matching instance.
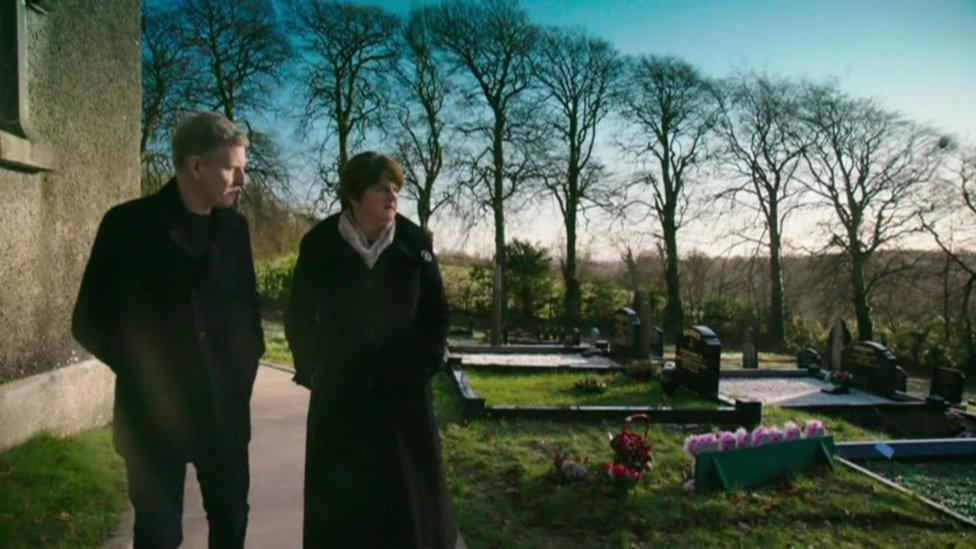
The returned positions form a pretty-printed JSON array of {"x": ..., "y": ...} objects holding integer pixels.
[{"x": 367, "y": 325}]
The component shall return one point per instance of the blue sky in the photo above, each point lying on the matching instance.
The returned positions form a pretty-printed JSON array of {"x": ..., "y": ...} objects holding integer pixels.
[{"x": 918, "y": 57}]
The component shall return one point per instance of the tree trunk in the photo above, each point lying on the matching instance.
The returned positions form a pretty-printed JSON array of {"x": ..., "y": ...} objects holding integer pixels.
[
  {"x": 777, "y": 306},
  {"x": 343, "y": 147},
  {"x": 966, "y": 339},
  {"x": 573, "y": 299},
  {"x": 674, "y": 316},
  {"x": 423, "y": 210},
  {"x": 498, "y": 276},
  {"x": 862, "y": 310},
  {"x": 946, "y": 314}
]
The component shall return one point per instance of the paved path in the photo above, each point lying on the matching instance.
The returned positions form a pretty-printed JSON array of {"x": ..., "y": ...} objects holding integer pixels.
[{"x": 278, "y": 410}]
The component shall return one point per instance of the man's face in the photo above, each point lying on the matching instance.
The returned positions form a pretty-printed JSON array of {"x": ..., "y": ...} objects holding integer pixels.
[{"x": 220, "y": 175}]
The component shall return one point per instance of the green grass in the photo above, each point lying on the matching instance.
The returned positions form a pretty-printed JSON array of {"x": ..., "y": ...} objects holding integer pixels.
[
  {"x": 497, "y": 472},
  {"x": 556, "y": 389},
  {"x": 68, "y": 492},
  {"x": 276, "y": 347},
  {"x": 952, "y": 483}
]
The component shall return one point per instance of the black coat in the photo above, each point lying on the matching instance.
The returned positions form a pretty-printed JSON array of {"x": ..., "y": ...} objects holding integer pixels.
[
  {"x": 183, "y": 336},
  {"x": 366, "y": 341}
]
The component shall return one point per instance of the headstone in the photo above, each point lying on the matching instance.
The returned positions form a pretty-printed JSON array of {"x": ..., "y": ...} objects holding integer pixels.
[
  {"x": 837, "y": 341},
  {"x": 625, "y": 344},
  {"x": 594, "y": 336},
  {"x": 699, "y": 355},
  {"x": 657, "y": 342},
  {"x": 873, "y": 366},
  {"x": 807, "y": 358},
  {"x": 642, "y": 304},
  {"x": 576, "y": 337},
  {"x": 948, "y": 383},
  {"x": 750, "y": 358},
  {"x": 901, "y": 379}
]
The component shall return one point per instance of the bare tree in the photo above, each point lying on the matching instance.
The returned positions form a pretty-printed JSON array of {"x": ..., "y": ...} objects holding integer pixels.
[
  {"x": 167, "y": 88},
  {"x": 492, "y": 42},
  {"x": 579, "y": 75},
  {"x": 865, "y": 163},
  {"x": 950, "y": 218},
  {"x": 236, "y": 51},
  {"x": 347, "y": 53},
  {"x": 763, "y": 148},
  {"x": 674, "y": 110},
  {"x": 420, "y": 147}
]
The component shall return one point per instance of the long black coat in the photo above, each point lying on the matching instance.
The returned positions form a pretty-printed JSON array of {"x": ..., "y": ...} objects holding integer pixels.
[
  {"x": 366, "y": 341},
  {"x": 184, "y": 344}
]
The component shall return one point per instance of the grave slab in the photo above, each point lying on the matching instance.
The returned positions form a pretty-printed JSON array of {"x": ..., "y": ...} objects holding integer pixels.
[{"x": 794, "y": 392}]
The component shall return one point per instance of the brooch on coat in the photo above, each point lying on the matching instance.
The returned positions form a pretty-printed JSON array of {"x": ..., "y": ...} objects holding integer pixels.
[{"x": 428, "y": 257}]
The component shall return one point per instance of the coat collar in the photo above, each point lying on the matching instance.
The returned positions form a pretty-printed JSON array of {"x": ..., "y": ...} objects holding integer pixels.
[
  {"x": 174, "y": 211},
  {"x": 407, "y": 240}
]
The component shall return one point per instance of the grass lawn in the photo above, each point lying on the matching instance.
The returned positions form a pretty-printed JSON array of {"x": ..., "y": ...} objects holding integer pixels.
[
  {"x": 951, "y": 483},
  {"x": 68, "y": 492},
  {"x": 556, "y": 389},
  {"x": 498, "y": 474},
  {"x": 276, "y": 347}
]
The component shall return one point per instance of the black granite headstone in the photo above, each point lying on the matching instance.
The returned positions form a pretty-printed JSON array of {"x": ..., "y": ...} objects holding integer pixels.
[
  {"x": 699, "y": 355},
  {"x": 873, "y": 366},
  {"x": 750, "y": 357},
  {"x": 948, "y": 383},
  {"x": 576, "y": 337}
]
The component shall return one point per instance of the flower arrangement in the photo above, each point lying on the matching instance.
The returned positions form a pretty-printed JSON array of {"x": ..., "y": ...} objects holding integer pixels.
[
  {"x": 619, "y": 477},
  {"x": 842, "y": 378},
  {"x": 632, "y": 454},
  {"x": 724, "y": 441},
  {"x": 569, "y": 469},
  {"x": 590, "y": 384}
]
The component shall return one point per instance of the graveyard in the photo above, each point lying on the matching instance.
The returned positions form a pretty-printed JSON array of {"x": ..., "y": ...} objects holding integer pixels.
[{"x": 883, "y": 452}]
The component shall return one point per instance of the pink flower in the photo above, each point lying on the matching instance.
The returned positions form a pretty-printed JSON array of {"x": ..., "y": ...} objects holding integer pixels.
[
  {"x": 791, "y": 431},
  {"x": 813, "y": 429},
  {"x": 759, "y": 436},
  {"x": 742, "y": 438},
  {"x": 774, "y": 435},
  {"x": 726, "y": 441}
]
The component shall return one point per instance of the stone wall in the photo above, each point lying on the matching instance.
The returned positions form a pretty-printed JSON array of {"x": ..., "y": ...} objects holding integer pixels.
[{"x": 84, "y": 89}]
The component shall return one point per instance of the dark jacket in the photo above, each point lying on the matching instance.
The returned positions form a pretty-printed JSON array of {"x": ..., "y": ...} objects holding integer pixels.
[
  {"x": 366, "y": 341},
  {"x": 180, "y": 331}
]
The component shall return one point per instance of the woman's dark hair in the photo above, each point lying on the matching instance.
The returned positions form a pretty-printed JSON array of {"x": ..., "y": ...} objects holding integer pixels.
[{"x": 365, "y": 170}]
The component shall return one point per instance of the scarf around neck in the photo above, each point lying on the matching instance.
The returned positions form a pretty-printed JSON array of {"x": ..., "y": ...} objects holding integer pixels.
[{"x": 352, "y": 234}]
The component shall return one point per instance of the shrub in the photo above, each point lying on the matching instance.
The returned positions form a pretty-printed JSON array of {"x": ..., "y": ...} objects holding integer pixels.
[{"x": 274, "y": 281}]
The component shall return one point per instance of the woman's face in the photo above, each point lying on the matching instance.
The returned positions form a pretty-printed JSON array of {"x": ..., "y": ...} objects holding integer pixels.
[{"x": 378, "y": 205}]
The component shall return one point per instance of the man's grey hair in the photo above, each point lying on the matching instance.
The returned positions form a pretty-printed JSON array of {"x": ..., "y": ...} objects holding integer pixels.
[{"x": 201, "y": 132}]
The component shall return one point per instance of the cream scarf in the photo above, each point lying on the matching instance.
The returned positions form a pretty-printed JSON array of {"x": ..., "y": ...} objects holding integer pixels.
[{"x": 352, "y": 234}]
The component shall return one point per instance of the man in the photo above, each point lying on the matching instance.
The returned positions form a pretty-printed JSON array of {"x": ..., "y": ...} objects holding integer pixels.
[{"x": 168, "y": 301}]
